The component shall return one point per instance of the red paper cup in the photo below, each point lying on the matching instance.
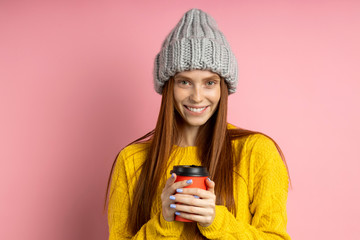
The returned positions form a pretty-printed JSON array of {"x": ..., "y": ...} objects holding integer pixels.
[{"x": 198, "y": 174}]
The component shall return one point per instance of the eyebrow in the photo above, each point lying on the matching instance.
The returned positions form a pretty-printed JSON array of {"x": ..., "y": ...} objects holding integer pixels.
[{"x": 208, "y": 78}]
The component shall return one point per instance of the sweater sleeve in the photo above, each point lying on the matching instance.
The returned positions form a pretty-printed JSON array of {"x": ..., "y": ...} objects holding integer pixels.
[
  {"x": 268, "y": 187},
  {"x": 118, "y": 212}
]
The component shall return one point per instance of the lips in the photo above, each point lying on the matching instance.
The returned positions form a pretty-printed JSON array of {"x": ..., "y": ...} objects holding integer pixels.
[{"x": 196, "y": 109}]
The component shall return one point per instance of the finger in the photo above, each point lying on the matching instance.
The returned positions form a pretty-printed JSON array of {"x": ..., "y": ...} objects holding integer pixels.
[
  {"x": 190, "y": 200},
  {"x": 175, "y": 187},
  {"x": 166, "y": 193},
  {"x": 179, "y": 186},
  {"x": 183, "y": 198},
  {"x": 183, "y": 195},
  {"x": 193, "y": 209},
  {"x": 167, "y": 211},
  {"x": 210, "y": 185},
  {"x": 204, "y": 194},
  {"x": 170, "y": 180},
  {"x": 202, "y": 220}
]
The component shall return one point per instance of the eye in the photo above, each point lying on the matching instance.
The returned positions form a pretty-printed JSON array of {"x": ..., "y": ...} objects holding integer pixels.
[
  {"x": 183, "y": 82},
  {"x": 211, "y": 83}
]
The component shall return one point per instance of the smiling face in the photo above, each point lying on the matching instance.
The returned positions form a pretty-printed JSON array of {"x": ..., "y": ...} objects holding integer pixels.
[{"x": 197, "y": 94}]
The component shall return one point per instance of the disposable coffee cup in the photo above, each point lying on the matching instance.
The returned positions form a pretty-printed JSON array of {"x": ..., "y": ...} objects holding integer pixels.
[{"x": 198, "y": 174}]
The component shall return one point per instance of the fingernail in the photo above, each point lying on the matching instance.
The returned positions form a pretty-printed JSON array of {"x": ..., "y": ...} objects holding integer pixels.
[
  {"x": 177, "y": 213},
  {"x": 179, "y": 190},
  {"x": 173, "y": 175},
  {"x": 172, "y": 205},
  {"x": 209, "y": 179},
  {"x": 172, "y": 197},
  {"x": 196, "y": 196},
  {"x": 189, "y": 181}
]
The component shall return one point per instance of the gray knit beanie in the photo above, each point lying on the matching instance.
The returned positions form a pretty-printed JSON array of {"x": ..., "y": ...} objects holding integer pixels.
[{"x": 195, "y": 43}]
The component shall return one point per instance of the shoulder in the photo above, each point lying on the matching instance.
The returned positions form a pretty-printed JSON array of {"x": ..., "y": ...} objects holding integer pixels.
[
  {"x": 135, "y": 150},
  {"x": 255, "y": 148},
  {"x": 264, "y": 159},
  {"x": 261, "y": 144},
  {"x": 132, "y": 156},
  {"x": 253, "y": 141},
  {"x": 257, "y": 155},
  {"x": 127, "y": 164}
]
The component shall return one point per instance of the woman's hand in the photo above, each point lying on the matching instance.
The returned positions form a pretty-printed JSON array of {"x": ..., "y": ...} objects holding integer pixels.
[
  {"x": 169, "y": 190},
  {"x": 196, "y": 204}
]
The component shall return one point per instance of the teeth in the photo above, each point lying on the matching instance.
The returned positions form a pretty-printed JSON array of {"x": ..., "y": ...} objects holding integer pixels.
[{"x": 196, "y": 109}]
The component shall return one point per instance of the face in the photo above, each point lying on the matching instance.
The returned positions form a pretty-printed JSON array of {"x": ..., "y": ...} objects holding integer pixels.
[{"x": 197, "y": 94}]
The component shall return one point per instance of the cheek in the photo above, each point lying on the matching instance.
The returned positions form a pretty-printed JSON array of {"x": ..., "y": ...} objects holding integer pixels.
[
  {"x": 177, "y": 97},
  {"x": 215, "y": 96}
]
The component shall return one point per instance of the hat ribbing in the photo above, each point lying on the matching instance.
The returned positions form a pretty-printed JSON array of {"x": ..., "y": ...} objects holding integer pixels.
[{"x": 195, "y": 43}]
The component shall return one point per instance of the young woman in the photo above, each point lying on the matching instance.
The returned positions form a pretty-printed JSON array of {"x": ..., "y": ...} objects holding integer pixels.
[{"x": 246, "y": 194}]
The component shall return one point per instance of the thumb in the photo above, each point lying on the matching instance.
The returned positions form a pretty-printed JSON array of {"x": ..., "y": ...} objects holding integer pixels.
[
  {"x": 210, "y": 185},
  {"x": 170, "y": 180}
]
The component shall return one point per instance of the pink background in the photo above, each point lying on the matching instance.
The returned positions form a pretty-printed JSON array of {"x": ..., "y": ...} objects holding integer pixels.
[{"x": 76, "y": 86}]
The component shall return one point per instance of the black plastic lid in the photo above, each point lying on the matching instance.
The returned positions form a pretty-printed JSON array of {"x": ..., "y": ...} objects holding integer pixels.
[{"x": 190, "y": 170}]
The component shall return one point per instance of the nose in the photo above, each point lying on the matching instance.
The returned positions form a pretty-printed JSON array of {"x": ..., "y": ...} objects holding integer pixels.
[{"x": 196, "y": 95}]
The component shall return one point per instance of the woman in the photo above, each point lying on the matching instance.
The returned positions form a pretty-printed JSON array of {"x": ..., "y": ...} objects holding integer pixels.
[{"x": 195, "y": 72}]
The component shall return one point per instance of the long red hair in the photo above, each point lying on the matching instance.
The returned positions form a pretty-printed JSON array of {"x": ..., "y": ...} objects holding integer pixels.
[{"x": 214, "y": 150}]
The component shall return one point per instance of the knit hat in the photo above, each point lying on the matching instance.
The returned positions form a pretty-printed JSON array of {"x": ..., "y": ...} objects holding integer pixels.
[{"x": 195, "y": 43}]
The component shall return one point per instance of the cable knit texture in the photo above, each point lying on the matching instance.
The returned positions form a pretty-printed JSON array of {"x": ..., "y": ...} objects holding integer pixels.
[
  {"x": 195, "y": 43},
  {"x": 260, "y": 192}
]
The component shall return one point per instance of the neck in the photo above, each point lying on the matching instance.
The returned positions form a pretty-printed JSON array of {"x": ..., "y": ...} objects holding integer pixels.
[{"x": 189, "y": 134}]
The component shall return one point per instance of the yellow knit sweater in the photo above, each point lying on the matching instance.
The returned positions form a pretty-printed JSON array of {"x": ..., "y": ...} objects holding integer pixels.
[{"x": 260, "y": 193}]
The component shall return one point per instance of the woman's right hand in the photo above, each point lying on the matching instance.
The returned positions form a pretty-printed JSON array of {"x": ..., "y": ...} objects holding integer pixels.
[{"x": 170, "y": 190}]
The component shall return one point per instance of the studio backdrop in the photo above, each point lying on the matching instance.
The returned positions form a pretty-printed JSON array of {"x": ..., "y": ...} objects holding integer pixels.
[{"x": 76, "y": 86}]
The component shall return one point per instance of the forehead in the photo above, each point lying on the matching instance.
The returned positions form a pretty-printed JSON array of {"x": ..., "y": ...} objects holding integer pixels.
[{"x": 197, "y": 74}]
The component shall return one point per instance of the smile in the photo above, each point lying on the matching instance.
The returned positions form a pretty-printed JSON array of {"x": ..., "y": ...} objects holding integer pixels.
[{"x": 196, "y": 109}]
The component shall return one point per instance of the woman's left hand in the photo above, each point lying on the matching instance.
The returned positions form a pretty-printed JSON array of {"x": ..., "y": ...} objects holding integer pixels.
[{"x": 202, "y": 209}]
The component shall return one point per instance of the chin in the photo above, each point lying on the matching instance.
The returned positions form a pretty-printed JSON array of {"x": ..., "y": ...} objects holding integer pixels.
[{"x": 196, "y": 123}]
